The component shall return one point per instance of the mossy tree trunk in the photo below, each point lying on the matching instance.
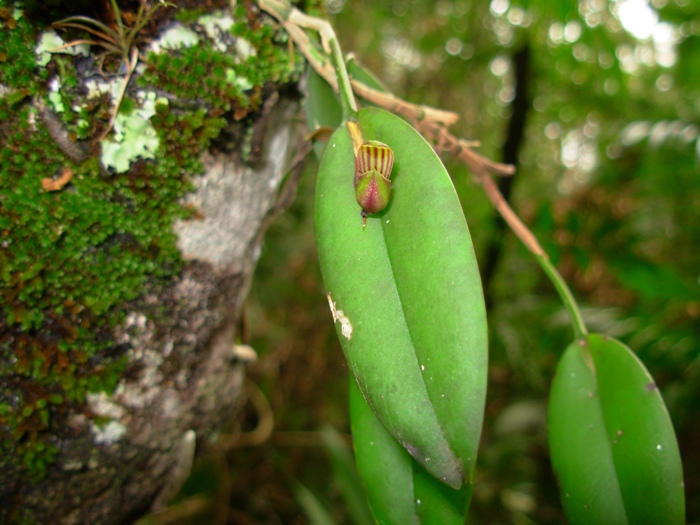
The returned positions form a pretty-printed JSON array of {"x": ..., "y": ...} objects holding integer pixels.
[{"x": 125, "y": 260}]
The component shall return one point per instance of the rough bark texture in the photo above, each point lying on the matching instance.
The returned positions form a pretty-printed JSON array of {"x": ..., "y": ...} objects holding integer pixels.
[
  {"x": 123, "y": 454},
  {"x": 185, "y": 374}
]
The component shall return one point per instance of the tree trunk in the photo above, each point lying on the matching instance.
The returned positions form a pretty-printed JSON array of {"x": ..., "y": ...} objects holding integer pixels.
[{"x": 118, "y": 451}]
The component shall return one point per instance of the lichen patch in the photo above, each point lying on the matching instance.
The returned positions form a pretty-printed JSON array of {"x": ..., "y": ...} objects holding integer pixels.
[
  {"x": 175, "y": 37},
  {"x": 339, "y": 315},
  {"x": 134, "y": 136},
  {"x": 108, "y": 434}
]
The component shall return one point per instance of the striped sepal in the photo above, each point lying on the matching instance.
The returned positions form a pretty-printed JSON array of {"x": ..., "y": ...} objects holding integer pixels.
[{"x": 374, "y": 155}]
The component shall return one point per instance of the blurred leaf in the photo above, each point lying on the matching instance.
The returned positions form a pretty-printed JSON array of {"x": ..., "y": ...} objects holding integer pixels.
[
  {"x": 652, "y": 282},
  {"x": 346, "y": 476},
  {"x": 611, "y": 439},
  {"x": 315, "y": 510}
]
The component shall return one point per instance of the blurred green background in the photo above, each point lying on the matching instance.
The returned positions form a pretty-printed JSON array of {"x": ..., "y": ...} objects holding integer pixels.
[{"x": 598, "y": 105}]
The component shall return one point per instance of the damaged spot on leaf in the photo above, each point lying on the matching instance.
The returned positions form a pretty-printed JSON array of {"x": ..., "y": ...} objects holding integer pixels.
[{"x": 338, "y": 315}]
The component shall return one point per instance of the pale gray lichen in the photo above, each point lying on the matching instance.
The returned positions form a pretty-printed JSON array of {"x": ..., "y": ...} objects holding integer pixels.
[
  {"x": 6, "y": 91},
  {"x": 102, "y": 405},
  {"x": 175, "y": 37},
  {"x": 108, "y": 434},
  {"x": 134, "y": 136},
  {"x": 54, "y": 95},
  {"x": 215, "y": 25},
  {"x": 97, "y": 88},
  {"x": 244, "y": 49},
  {"x": 50, "y": 42}
]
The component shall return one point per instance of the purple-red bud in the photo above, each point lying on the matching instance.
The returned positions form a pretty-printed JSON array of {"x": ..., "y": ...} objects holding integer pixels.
[{"x": 373, "y": 165}]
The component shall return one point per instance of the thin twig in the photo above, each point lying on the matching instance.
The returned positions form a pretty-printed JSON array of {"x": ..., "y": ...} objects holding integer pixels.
[
  {"x": 402, "y": 107},
  {"x": 319, "y": 60},
  {"x": 131, "y": 64},
  {"x": 266, "y": 422},
  {"x": 321, "y": 64},
  {"x": 519, "y": 229},
  {"x": 433, "y": 124}
]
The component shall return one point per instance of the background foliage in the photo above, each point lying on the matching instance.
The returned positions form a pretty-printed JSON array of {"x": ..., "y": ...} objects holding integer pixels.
[{"x": 601, "y": 117}]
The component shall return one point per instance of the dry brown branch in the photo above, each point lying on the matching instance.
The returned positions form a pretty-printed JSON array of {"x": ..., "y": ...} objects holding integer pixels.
[
  {"x": 431, "y": 122},
  {"x": 482, "y": 168},
  {"x": 402, "y": 107},
  {"x": 322, "y": 65}
]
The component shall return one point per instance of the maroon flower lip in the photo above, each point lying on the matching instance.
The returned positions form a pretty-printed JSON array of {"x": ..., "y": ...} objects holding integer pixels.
[{"x": 373, "y": 165}]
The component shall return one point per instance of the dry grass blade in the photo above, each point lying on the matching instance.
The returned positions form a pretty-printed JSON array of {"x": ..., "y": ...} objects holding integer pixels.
[
  {"x": 109, "y": 38},
  {"x": 118, "y": 41}
]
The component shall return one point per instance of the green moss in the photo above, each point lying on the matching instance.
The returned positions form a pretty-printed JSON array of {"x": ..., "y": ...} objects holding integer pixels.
[
  {"x": 189, "y": 16},
  {"x": 274, "y": 60},
  {"x": 18, "y": 69},
  {"x": 71, "y": 260},
  {"x": 316, "y": 8},
  {"x": 233, "y": 77},
  {"x": 182, "y": 73}
]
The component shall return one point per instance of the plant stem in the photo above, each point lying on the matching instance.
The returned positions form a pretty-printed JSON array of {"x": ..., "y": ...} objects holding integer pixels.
[
  {"x": 332, "y": 47},
  {"x": 565, "y": 295},
  {"x": 533, "y": 246},
  {"x": 347, "y": 98},
  {"x": 293, "y": 20}
]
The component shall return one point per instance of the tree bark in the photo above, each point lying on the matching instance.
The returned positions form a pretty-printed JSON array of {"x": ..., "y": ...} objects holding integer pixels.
[{"x": 124, "y": 453}]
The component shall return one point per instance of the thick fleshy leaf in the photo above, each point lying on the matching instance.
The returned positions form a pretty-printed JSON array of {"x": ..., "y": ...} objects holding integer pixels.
[
  {"x": 407, "y": 298},
  {"x": 346, "y": 478},
  {"x": 358, "y": 72},
  {"x": 399, "y": 490},
  {"x": 322, "y": 107},
  {"x": 612, "y": 443}
]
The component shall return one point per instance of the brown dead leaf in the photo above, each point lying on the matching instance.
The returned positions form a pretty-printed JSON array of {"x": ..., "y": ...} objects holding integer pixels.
[{"x": 50, "y": 184}]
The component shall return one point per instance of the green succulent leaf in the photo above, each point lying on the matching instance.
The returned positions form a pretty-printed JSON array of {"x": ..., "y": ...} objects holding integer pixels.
[
  {"x": 406, "y": 295},
  {"x": 322, "y": 107},
  {"x": 358, "y": 72},
  {"x": 399, "y": 490},
  {"x": 346, "y": 477},
  {"x": 611, "y": 440}
]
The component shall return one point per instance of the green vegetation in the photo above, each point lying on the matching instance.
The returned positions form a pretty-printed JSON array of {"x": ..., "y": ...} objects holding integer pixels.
[
  {"x": 601, "y": 124},
  {"x": 603, "y": 128},
  {"x": 71, "y": 260}
]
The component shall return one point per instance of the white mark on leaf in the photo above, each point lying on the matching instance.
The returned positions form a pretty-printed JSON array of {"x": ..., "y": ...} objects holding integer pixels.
[{"x": 338, "y": 315}]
